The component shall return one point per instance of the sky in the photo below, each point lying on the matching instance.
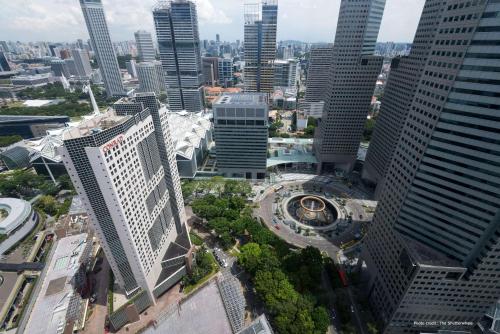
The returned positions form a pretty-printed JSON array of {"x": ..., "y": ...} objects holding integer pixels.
[{"x": 304, "y": 20}]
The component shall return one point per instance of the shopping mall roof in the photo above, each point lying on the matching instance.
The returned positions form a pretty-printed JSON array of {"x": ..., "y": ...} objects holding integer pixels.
[{"x": 188, "y": 130}]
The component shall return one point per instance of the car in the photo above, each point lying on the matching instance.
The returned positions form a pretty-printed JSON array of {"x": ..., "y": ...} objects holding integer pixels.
[
  {"x": 352, "y": 309},
  {"x": 334, "y": 315},
  {"x": 277, "y": 227}
]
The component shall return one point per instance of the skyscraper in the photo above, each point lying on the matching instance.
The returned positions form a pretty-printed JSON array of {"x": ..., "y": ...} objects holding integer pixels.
[
  {"x": 149, "y": 78},
  {"x": 93, "y": 12},
  {"x": 353, "y": 74},
  {"x": 82, "y": 62},
  {"x": 318, "y": 72},
  {"x": 261, "y": 23},
  {"x": 432, "y": 250},
  {"x": 176, "y": 24},
  {"x": 121, "y": 165},
  {"x": 59, "y": 67},
  {"x": 225, "y": 67},
  {"x": 145, "y": 47},
  {"x": 285, "y": 73},
  {"x": 398, "y": 96}
]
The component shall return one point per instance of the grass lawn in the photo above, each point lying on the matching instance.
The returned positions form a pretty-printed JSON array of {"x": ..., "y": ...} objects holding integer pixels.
[{"x": 215, "y": 268}]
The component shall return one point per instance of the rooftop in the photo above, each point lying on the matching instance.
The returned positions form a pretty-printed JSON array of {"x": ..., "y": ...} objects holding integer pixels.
[
  {"x": 15, "y": 118},
  {"x": 202, "y": 313},
  {"x": 425, "y": 255},
  {"x": 94, "y": 124},
  {"x": 258, "y": 326},
  {"x": 188, "y": 130},
  {"x": 17, "y": 210},
  {"x": 51, "y": 306},
  {"x": 242, "y": 99}
]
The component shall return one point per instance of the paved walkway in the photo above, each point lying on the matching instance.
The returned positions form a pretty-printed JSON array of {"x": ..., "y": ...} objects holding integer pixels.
[{"x": 95, "y": 323}]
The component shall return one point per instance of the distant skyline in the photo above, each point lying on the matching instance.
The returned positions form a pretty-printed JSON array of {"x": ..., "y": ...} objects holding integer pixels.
[{"x": 304, "y": 20}]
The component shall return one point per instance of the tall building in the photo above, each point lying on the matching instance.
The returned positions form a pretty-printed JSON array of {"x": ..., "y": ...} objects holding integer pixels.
[
  {"x": 145, "y": 47},
  {"x": 176, "y": 24},
  {"x": 285, "y": 73},
  {"x": 4, "y": 64},
  {"x": 261, "y": 23},
  {"x": 240, "y": 127},
  {"x": 398, "y": 96},
  {"x": 318, "y": 72},
  {"x": 71, "y": 65},
  {"x": 225, "y": 67},
  {"x": 288, "y": 52},
  {"x": 82, "y": 62},
  {"x": 432, "y": 250},
  {"x": 93, "y": 12},
  {"x": 150, "y": 77},
  {"x": 353, "y": 74},
  {"x": 121, "y": 165}
]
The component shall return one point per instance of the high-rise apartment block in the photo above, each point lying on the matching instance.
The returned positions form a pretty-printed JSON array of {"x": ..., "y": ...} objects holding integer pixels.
[
  {"x": 261, "y": 23},
  {"x": 318, "y": 72},
  {"x": 433, "y": 248},
  {"x": 240, "y": 126},
  {"x": 145, "y": 47},
  {"x": 354, "y": 71},
  {"x": 123, "y": 166},
  {"x": 176, "y": 24},
  {"x": 93, "y": 12},
  {"x": 82, "y": 63}
]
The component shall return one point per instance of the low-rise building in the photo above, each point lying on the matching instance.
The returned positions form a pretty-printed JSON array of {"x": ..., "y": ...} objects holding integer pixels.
[{"x": 14, "y": 212}]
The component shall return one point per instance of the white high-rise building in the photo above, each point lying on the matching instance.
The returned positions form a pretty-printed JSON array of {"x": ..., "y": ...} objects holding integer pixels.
[
  {"x": 176, "y": 24},
  {"x": 353, "y": 74},
  {"x": 145, "y": 47},
  {"x": 82, "y": 62},
  {"x": 122, "y": 163},
  {"x": 93, "y": 12}
]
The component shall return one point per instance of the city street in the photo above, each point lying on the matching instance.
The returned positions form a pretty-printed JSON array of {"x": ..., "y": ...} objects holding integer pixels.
[{"x": 95, "y": 323}]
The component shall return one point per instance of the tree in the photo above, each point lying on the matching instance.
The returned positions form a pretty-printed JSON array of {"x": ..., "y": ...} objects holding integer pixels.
[
  {"x": 250, "y": 257},
  {"x": 321, "y": 319},
  {"x": 47, "y": 204},
  {"x": 369, "y": 127},
  {"x": 9, "y": 140}
]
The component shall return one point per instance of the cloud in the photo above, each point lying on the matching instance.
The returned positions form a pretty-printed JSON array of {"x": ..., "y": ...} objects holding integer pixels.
[
  {"x": 307, "y": 20},
  {"x": 208, "y": 13}
]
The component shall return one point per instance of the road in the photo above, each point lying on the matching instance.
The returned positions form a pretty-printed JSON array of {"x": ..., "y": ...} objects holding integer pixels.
[{"x": 95, "y": 323}]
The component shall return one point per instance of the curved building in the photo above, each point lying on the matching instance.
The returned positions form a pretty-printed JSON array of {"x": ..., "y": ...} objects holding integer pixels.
[{"x": 13, "y": 213}]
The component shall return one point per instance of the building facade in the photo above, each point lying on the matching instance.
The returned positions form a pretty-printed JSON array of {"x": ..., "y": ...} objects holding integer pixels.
[
  {"x": 285, "y": 73},
  {"x": 433, "y": 248},
  {"x": 261, "y": 23},
  {"x": 4, "y": 64},
  {"x": 93, "y": 12},
  {"x": 145, "y": 48},
  {"x": 318, "y": 72},
  {"x": 121, "y": 165},
  {"x": 59, "y": 68},
  {"x": 176, "y": 24},
  {"x": 354, "y": 71},
  {"x": 398, "y": 95},
  {"x": 225, "y": 67},
  {"x": 240, "y": 128},
  {"x": 150, "y": 76}
]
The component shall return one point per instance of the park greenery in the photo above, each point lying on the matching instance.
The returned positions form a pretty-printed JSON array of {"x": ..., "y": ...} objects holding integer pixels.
[
  {"x": 274, "y": 127},
  {"x": 53, "y": 207},
  {"x": 9, "y": 140},
  {"x": 287, "y": 282},
  {"x": 205, "y": 266},
  {"x": 25, "y": 184}
]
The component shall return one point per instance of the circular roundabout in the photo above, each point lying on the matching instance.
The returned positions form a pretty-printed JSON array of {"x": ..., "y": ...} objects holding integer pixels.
[{"x": 312, "y": 210}]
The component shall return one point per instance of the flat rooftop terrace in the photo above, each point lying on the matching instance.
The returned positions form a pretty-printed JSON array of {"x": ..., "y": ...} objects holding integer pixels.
[
  {"x": 202, "y": 313},
  {"x": 242, "y": 99}
]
